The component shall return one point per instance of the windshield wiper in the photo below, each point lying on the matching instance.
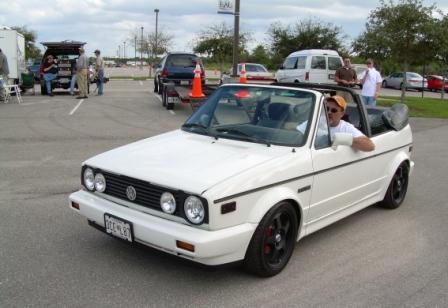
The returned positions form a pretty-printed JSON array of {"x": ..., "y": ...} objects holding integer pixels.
[
  {"x": 241, "y": 135},
  {"x": 194, "y": 125},
  {"x": 200, "y": 126}
]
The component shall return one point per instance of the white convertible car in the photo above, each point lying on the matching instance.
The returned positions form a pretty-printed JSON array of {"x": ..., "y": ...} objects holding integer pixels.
[{"x": 251, "y": 172}]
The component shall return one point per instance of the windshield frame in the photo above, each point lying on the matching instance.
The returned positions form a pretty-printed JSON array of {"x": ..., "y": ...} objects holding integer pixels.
[{"x": 204, "y": 121}]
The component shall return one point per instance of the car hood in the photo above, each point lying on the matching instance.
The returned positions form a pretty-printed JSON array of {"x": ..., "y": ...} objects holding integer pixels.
[{"x": 183, "y": 160}]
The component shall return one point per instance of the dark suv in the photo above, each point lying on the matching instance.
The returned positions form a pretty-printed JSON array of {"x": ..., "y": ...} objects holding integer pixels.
[
  {"x": 177, "y": 67},
  {"x": 66, "y": 53}
]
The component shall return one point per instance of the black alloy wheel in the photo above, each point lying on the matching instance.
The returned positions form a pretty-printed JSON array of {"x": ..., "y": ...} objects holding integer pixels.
[
  {"x": 396, "y": 192},
  {"x": 273, "y": 241}
]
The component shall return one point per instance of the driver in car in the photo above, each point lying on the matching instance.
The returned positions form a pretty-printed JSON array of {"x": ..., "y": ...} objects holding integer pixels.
[{"x": 342, "y": 132}]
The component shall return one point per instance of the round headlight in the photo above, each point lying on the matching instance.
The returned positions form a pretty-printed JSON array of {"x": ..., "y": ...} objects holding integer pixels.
[
  {"x": 89, "y": 179},
  {"x": 194, "y": 210},
  {"x": 100, "y": 182},
  {"x": 168, "y": 203}
]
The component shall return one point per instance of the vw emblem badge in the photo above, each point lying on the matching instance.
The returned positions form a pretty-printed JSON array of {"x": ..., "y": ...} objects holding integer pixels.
[{"x": 131, "y": 193}]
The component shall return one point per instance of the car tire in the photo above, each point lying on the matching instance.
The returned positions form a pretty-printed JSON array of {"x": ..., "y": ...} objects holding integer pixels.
[
  {"x": 396, "y": 192},
  {"x": 164, "y": 98},
  {"x": 273, "y": 241},
  {"x": 384, "y": 84},
  {"x": 159, "y": 87},
  {"x": 169, "y": 106},
  {"x": 156, "y": 88}
]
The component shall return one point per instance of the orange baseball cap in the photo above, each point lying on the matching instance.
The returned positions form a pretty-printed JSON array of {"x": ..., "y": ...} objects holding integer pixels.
[{"x": 339, "y": 100}]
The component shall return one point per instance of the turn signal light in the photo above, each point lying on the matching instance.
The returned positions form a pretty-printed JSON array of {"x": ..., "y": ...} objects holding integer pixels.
[
  {"x": 185, "y": 246},
  {"x": 75, "y": 205}
]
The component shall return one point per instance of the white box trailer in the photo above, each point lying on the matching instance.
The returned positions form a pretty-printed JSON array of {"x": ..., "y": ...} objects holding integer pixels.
[{"x": 12, "y": 44}]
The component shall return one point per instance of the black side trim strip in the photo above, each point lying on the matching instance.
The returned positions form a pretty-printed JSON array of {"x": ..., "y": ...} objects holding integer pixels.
[
  {"x": 305, "y": 176},
  {"x": 302, "y": 189}
]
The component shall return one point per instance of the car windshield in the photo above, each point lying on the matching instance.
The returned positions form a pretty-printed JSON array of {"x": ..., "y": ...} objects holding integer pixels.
[
  {"x": 255, "y": 68},
  {"x": 268, "y": 115},
  {"x": 182, "y": 61},
  {"x": 413, "y": 75}
]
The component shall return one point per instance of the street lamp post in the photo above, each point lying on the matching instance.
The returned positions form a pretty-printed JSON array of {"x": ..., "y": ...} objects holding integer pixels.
[
  {"x": 157, "y": 23},
  {"x": 124, "y": 50}
]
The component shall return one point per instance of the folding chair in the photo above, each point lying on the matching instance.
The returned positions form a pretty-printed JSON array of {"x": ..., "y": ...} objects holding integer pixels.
[{"x": 12, "y": 89}]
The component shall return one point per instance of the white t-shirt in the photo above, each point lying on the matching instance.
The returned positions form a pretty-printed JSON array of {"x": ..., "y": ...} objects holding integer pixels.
[
  {"x": 345, "y": 127},
  {"x": 369, "y": 86}
]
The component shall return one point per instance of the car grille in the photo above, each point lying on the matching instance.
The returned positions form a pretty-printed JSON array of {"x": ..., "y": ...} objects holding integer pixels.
[{"x": 148, "y": 195}]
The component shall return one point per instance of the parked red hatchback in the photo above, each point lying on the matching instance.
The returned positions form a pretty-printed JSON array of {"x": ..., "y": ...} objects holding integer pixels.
[{"x": 435, "y": 83}]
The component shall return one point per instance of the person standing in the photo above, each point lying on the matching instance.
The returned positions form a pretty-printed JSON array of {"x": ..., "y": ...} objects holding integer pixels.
[
  {"x": 345, "y": 76},
  {"x": 81, "y": 73},
  {"x": 99, "y": 67},
  {"x": 371, "y": 84},
  {"x": 50, "y": 69}
]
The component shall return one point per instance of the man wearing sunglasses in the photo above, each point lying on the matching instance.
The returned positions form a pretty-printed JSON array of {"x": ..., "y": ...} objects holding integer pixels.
[{"x": 345, "y": 132}]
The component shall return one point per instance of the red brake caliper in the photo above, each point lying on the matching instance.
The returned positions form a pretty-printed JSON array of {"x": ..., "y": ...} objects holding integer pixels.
[{"x": 267, "y": 247}]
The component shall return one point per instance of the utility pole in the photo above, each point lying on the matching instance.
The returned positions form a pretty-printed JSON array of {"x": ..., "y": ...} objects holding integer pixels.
[
  {"x": 157, "y": 23},
  {"x": 141, "y": 52},
  {"x": 236, "y": 38},
  {"x": 124, "y": 50},
  {"x": 135, "y": 51}
]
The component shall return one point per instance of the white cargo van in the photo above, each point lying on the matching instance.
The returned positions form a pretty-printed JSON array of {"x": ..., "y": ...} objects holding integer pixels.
[
  {"x": 12, "y": 44},
  {"x": 310, "y": 65}
]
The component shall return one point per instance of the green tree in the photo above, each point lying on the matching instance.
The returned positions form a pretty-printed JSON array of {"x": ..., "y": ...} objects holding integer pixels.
[
  {"x": 308, "y": 34},
  {"x": 216, "y": 42},
  {"x": 31, "y": 51},
  {"x": 399, "y": 32},
  {"x": 259, "y": 55}
]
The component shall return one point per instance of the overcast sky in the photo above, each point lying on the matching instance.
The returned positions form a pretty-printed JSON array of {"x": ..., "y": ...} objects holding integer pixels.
[{"x": 106, "y": 24}]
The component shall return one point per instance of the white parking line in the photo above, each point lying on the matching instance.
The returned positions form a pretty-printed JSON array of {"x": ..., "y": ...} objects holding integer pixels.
[
  {"x": 158, "y": 96},
  {"x": 76, "y": 107},
  {"x": 172, "y": 112}
]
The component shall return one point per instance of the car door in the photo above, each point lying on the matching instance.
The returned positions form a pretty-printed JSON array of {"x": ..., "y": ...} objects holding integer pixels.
[
  {"x": 318, "y": 69},
  {"x": 333, "y": 64},
  {"x": 289, "y": 70},
  {"x": 344, "y": 179}
]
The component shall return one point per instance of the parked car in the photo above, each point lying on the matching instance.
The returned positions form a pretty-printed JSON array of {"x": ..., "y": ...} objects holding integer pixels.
[
  {"x": 413, "y": 81},
  {"x": 66, "y": 53},
  {"x": 435, "y": 83},
  {"x": 177, "y": 67},
  {"x": 251, "y": 172},
  {"x": 311, "y": 65},
  {"x": 254, "y": 72}
]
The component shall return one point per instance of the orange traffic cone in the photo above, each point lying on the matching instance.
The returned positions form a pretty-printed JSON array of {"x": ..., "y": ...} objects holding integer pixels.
[
  {"x": 196, "y": 91},
  {"x": 243, "y": 77}
]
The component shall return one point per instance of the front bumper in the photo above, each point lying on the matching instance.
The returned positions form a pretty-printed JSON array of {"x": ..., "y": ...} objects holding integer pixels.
[{"x": 211, "y": 247}]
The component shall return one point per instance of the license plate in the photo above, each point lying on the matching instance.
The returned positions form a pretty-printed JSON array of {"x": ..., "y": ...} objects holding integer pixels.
[
  {"x": 118, "y": 227},
  {"x": 173, "y": 99},
  {"x": 64, "y": 80},
  {"x": 330, "y": 76},
  {"x": 185, "y": 82}
]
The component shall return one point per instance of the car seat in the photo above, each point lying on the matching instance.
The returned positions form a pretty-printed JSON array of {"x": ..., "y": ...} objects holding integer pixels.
[{"x": 277, "y": 114}]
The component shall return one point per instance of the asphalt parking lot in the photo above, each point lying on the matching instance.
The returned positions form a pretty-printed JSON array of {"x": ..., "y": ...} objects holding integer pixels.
[{"x": 50, "y": 257}]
